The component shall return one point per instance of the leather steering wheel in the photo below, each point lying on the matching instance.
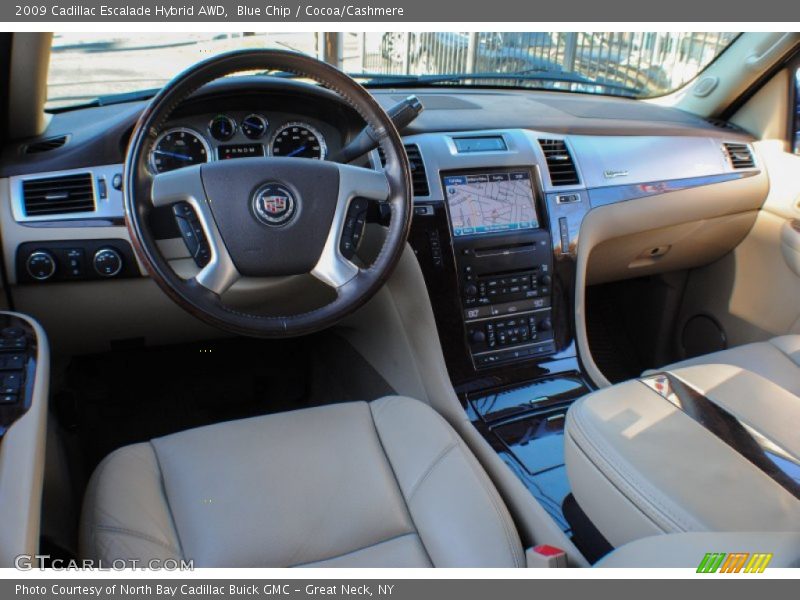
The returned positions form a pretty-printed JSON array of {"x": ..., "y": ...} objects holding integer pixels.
[{"x": 268, "y": 216}]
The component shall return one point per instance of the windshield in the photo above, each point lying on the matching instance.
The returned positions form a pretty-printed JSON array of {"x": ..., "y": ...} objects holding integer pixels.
[{"x": 90, "y": 66}]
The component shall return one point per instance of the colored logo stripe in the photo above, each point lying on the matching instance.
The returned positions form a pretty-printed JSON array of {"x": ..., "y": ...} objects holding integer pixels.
[
  {"x": 711, "y": 562},
  {"x": 735, "y": 562},
  {"x": 758, "y": 563}
]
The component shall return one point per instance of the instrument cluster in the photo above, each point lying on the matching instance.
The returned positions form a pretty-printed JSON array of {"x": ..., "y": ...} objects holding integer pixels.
[{"x": 228, "y": 136}]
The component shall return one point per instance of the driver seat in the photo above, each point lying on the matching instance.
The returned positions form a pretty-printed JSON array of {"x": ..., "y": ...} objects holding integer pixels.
[{"x": 382, "y": 484}]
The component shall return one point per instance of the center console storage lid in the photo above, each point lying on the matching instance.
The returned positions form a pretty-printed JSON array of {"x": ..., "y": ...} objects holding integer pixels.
[{"x": 644, "y": 459}]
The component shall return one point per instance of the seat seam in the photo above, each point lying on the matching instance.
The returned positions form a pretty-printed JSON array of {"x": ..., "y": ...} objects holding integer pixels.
[
  {"x": 493, "y": 495},
  {"x": 166, "y": 499},
  {"x": 137, "y": 534},
  {"x": 367, "y": 547},
  {"x": 435, "y": 463},
  {"x": 91, "y": 492},
  {"x": 457, "y": 443},
  {"x": 394, "y": 473}
]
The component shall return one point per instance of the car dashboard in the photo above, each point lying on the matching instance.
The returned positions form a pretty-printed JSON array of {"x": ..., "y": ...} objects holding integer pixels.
[{"x": 522, "y": 199}]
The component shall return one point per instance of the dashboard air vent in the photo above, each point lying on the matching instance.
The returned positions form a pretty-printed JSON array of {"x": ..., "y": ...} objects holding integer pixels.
[
  {"x": 559, "y": 162},
  {"x": 418, "y": 175},
  {"x": 45, "y": 145},
  {"x": 52, "y": 196},
  {"x": 740, "y": 155}
]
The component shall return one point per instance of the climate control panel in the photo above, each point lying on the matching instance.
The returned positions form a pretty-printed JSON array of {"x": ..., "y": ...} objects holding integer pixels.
[
  {"x": 493, "y": 341},
  {"x": 75, "y": 260},
  {"x": 505, "y": 285}
]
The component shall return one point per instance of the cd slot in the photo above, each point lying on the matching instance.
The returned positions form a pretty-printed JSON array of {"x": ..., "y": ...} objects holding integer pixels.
[{"x": 504, "y": 250}]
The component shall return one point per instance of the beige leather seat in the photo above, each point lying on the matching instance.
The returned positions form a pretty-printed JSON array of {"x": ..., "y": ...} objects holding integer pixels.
[
  {"x": 641, "y": 465},
  {"x": 387, "y": 483}
]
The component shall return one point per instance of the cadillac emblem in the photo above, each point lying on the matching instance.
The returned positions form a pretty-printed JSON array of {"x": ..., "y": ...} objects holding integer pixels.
[{"x": 274, "y": 204}]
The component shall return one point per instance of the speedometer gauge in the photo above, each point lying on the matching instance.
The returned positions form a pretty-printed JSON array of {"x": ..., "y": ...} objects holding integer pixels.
[
  {"x": 300, "y": 140},
  {"x": 176, "y": 148}
]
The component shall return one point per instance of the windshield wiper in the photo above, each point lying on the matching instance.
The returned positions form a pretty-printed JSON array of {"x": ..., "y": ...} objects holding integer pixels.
[{"x": 379, "y": 80}]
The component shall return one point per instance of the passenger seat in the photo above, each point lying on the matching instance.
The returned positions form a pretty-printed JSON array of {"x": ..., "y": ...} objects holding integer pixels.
[{"x": 706, "y": 444}]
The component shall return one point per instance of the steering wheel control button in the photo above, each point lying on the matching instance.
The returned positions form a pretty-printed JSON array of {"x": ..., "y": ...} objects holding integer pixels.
[
  {"x": 222, "y": 128},
  {"x": 354, "y": 225},
  {"x": 41, "y": 265},
  {"x": 274, "y": 204},
  {"x": 107, "y": 262},
  {"x": 192, "y": 233},
  {"x": 12, "y": 362}
]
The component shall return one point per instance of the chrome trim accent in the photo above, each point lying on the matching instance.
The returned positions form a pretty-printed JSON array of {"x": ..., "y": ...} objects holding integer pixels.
[
  {"x": 109, "y": 207},
  {"x": 186, "y": 185},
  {"x": 332, "y": 268},
  {"x": 765, "y": 454},
  {"x": 611, "y": 195},
  {"x": 614, "y": 173},
  {"x": 643, "y": 158}
]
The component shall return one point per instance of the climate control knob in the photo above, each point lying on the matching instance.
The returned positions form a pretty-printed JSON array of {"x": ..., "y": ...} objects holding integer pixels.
[
  {"x": 545, "y": 324},
  {"x": 107, "y": 262},
  {"x": 41, "y": 265}
]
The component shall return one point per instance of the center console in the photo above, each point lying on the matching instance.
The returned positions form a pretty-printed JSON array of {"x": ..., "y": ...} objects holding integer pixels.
[
  {"x": 504, "y": 264},
  {"x": 496, "y": 241}
]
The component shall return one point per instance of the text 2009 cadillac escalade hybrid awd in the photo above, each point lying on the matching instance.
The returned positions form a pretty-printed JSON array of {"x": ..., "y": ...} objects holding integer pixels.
[{"x": 441, "y": 299}]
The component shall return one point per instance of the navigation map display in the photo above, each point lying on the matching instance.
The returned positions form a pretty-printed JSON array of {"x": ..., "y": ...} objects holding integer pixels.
[{"x": 490, "y": 203}]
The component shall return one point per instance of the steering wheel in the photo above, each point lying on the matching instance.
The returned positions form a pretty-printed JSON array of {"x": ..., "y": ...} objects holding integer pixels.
[{"x": 268, "y": 216}]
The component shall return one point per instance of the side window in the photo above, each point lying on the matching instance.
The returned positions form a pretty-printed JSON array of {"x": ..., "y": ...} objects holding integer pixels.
[{"x": 796, "y": 119}]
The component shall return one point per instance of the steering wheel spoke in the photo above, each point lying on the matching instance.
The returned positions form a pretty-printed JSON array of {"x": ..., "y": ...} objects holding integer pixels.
[
  {"x": 333, "y": 267},
  {"x": 186, "y": 186}
]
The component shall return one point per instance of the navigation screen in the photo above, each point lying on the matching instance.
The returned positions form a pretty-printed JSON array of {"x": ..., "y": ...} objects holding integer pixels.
[{"x": 490, "y": 203}]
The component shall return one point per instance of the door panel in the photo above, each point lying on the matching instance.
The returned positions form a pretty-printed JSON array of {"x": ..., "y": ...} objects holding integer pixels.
[{"x": 790, "y": 244}]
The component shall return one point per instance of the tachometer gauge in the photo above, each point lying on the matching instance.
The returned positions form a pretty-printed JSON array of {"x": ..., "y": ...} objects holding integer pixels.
[
  {"x": 176, "y": 148},
  {"x": 300, "y": 140}
]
